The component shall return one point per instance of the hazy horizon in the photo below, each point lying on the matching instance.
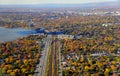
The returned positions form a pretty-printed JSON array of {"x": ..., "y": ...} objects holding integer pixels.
[{"x": 34, "y": 2}]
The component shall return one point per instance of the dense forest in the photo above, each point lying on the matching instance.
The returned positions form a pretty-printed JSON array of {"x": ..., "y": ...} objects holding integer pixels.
[{"x": 20, "y": 57}]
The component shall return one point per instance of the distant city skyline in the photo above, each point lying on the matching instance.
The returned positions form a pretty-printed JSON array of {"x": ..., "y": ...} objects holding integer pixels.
[{"x": 51, "y": 1}]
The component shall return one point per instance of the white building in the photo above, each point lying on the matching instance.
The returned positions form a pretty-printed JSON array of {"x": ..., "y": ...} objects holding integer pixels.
[{"x": 66, "y": 36}]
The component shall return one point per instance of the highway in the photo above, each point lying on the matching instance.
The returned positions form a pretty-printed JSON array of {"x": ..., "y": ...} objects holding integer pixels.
[
  {"x": 41, "y": 67},
  {"x": 52, "y": 66},
  {"x": 50, "y": 60}
]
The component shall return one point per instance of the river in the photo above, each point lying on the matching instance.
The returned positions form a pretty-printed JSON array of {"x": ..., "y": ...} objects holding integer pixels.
[{"x": 7, "y": 34}]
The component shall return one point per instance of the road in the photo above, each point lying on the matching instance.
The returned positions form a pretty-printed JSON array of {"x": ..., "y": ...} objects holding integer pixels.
[
  {"x": 59, "y": 51},
  {"x": 50, "y": 60},
  {"x": 41, "y": 67},
  {"x": 54, "y": 59}
]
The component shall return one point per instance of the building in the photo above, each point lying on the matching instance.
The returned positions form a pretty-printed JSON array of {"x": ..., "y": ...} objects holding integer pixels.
[{"x": 65, "y": 36}]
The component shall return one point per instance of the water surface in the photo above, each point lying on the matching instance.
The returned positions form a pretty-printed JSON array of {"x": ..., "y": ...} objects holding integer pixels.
[{"x": 11, "y": 34}]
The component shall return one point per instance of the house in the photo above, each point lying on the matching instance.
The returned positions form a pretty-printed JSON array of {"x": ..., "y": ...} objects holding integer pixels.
[
  {"x": 64, "y": 64},
  {"x": 99, "y": 54},
  {"x": 106, "y": 25}
]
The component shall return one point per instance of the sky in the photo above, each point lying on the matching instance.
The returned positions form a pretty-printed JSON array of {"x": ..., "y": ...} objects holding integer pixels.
[{"x": 50, "y": 1}]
